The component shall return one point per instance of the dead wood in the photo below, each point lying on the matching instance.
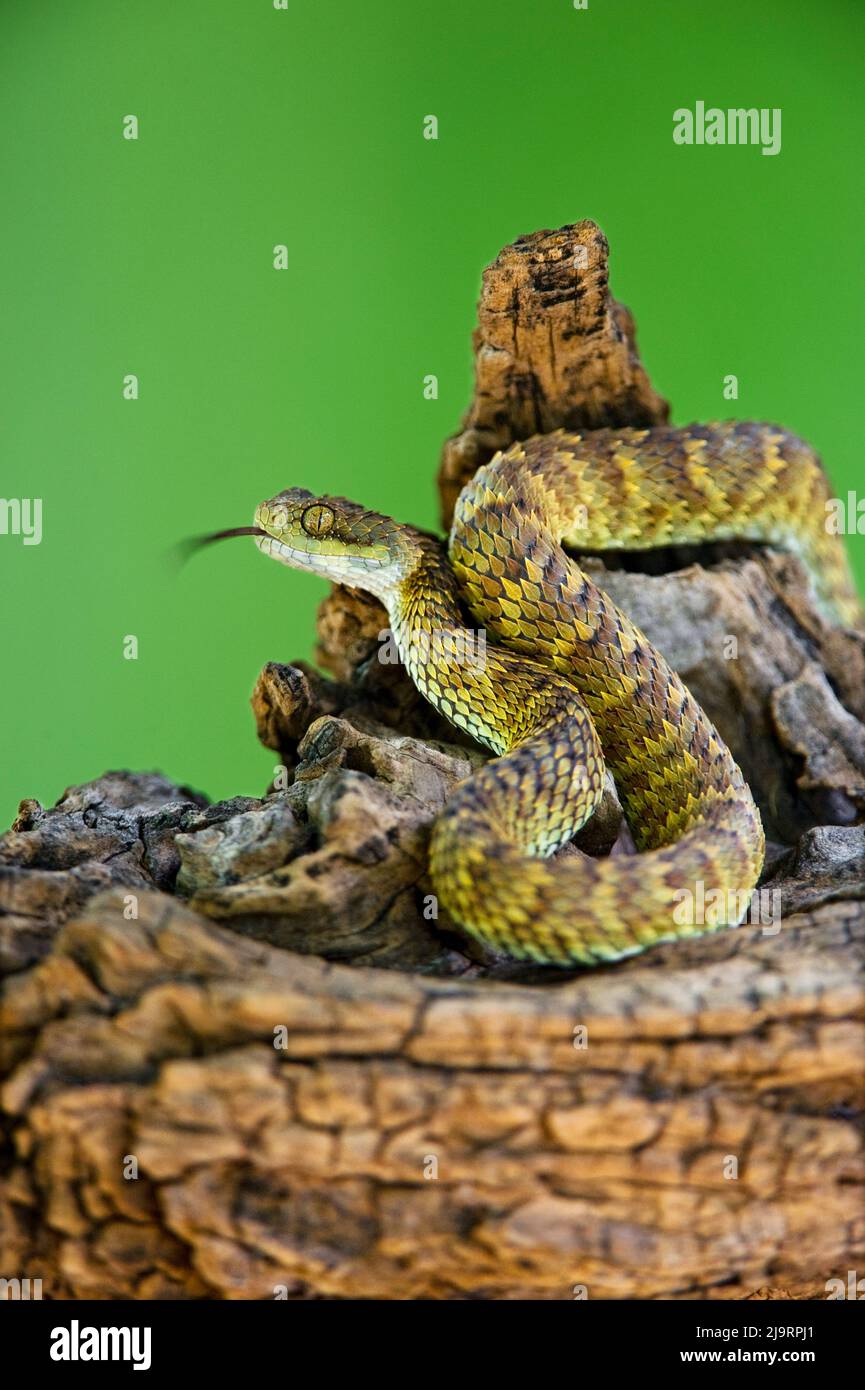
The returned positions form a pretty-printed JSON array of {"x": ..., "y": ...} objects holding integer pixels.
[{"x": 244, "y": 1055}]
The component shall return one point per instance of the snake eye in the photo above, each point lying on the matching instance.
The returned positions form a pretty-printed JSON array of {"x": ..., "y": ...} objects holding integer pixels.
[{"x": 317, "y": 520}]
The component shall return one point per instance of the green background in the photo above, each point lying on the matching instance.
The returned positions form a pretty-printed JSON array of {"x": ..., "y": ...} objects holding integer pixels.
[{"x": 304, "y": 126}]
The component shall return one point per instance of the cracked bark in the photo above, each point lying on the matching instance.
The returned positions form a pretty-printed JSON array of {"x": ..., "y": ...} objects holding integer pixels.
[
  {"x": 242, "y": 1058},
  {"x": 553, "y": 350}
]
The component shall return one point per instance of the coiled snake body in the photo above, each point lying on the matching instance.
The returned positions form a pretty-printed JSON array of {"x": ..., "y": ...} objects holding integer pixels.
[{"x": 570, "y": 683}]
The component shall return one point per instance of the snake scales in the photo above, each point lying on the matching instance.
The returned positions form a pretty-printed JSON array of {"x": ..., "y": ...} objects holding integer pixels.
[{"x": 571, "y": 685}]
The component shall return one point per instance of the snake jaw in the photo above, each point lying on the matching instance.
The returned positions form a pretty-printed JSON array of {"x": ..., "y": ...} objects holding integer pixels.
[{"x": 316, "y": 560}]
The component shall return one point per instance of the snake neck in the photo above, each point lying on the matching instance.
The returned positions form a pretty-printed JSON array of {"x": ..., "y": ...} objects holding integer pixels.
[{"x": 426, "y": 614}]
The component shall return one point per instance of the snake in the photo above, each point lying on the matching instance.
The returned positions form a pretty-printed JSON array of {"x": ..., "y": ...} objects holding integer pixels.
[{"x": 569, "y": 687}]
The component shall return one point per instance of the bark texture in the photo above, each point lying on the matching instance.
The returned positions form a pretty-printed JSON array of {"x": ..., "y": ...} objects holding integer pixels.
[
  {"x": 553, "y": 350},
  {"x": 243, "y": 1055}
]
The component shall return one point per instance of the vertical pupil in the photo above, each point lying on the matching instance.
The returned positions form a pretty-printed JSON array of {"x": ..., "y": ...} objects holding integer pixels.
[{"x": 316, "y": 520}]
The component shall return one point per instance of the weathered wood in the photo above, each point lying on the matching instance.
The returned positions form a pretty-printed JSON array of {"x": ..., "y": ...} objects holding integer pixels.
[
  {"x": 362, "y": 1133},
  {"x": 553, "y": 350},
  {"x": 323, "y": 1088}
]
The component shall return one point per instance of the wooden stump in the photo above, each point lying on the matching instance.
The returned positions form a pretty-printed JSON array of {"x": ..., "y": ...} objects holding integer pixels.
[{"x": 243, "y": 1056}]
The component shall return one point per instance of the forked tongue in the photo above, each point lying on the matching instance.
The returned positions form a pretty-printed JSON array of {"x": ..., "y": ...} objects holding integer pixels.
[{"x": 186, "y": 549}]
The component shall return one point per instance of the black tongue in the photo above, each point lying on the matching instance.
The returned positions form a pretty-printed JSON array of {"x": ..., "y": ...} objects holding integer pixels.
[{"x": 184, "y": 550}]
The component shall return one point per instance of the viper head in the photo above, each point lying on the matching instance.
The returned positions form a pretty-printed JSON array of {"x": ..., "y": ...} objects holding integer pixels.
[
  {"x": 330, "y": 536},
  {"x": 333, "y": 537}
]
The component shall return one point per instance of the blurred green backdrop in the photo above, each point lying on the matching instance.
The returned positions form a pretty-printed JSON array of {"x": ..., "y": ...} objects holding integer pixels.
[{"x": 303, "y": 126}]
